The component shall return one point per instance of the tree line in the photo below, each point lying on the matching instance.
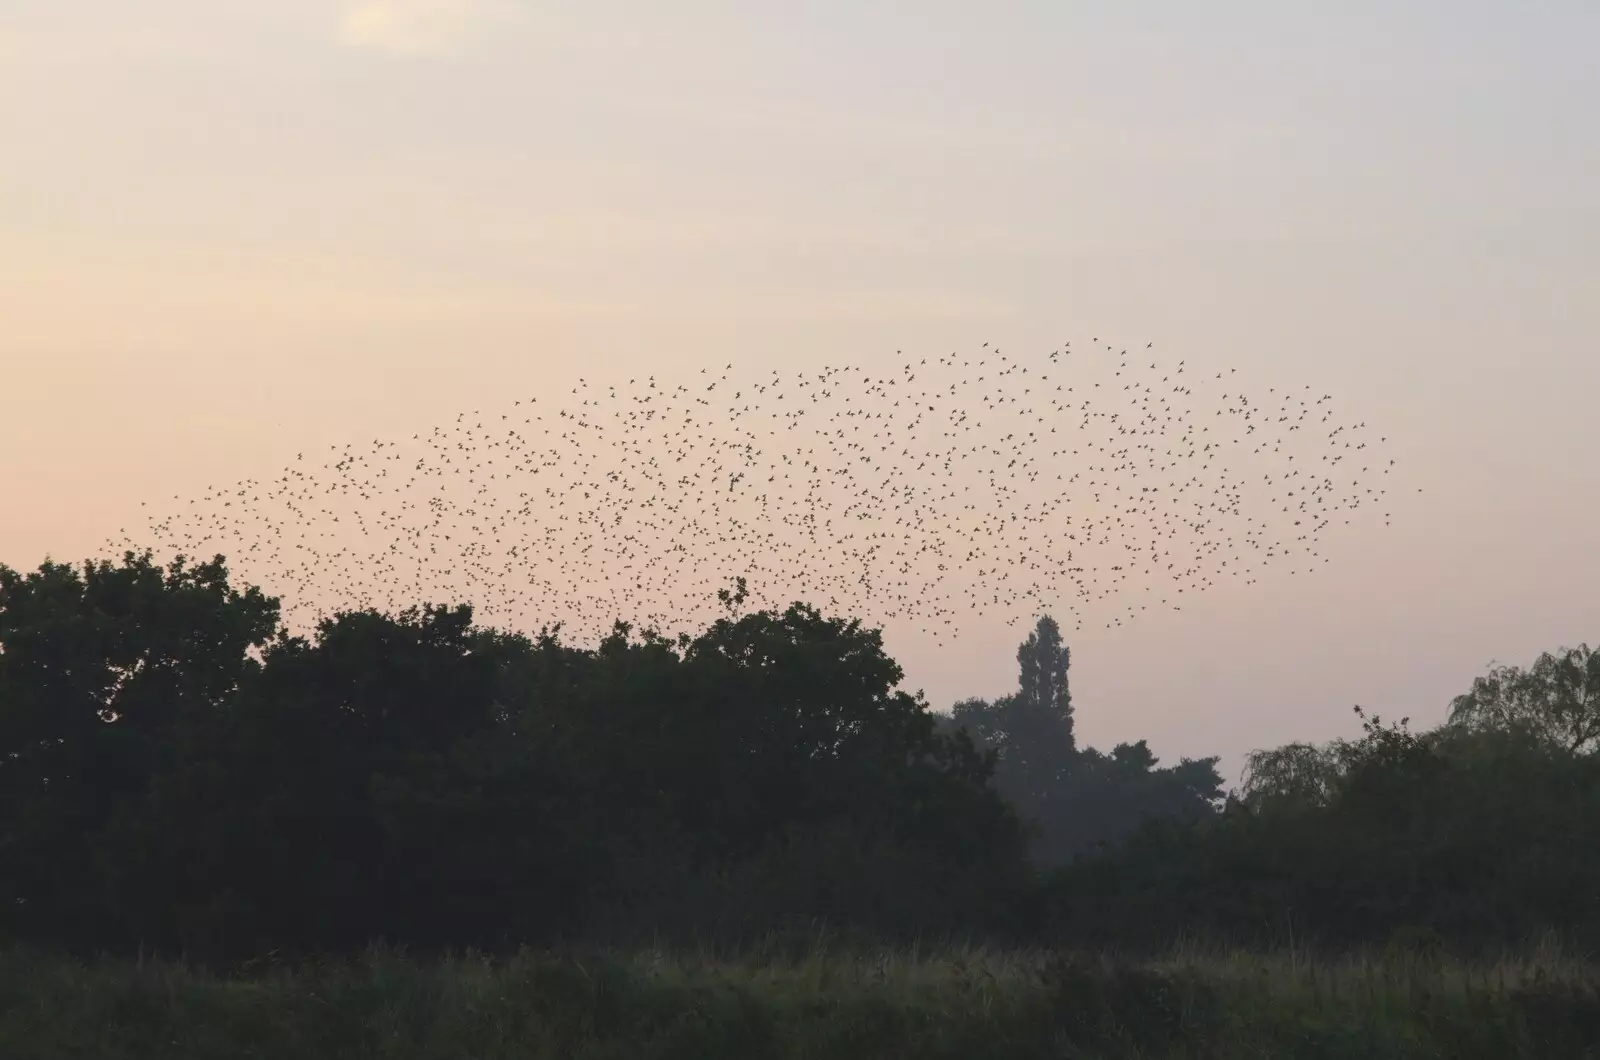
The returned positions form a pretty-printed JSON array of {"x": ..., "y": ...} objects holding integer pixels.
[{"x": 178, "y": 773}]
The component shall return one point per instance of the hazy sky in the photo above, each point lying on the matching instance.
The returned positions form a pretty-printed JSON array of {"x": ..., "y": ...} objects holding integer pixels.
[{"x": 232, "y": 230}]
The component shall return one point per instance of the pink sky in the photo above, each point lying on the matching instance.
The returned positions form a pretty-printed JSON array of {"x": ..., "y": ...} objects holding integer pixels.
[{"x": 231, "y": 231}]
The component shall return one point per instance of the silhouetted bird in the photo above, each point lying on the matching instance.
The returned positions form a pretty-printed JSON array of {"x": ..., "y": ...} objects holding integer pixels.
[{"x": 921, "y": 496}]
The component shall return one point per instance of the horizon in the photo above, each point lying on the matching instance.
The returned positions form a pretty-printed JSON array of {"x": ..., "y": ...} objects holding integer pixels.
[{"x": 235, "y": 233}]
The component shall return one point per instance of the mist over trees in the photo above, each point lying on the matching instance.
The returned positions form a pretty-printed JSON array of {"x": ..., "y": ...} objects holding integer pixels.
[
  {"x": 179, "y": 773},
  {"x": 1074, "y": 800}
]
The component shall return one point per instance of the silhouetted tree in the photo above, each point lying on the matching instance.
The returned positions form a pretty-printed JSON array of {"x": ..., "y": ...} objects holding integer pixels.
[
  {"x": 107, "y": 674},
  {"x": 1476, "y": 838},
  {"x": 178, "y": 772},
  {"x": 1558, "y": 698},
  {"x": 1073, "y": 799},
  {"x": 1294, "y": 776},
  {"x": 1044, "y": 694}
]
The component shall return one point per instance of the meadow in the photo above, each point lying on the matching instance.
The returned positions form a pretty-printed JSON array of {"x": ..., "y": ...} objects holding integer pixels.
[{"x": 813, "y": 998}]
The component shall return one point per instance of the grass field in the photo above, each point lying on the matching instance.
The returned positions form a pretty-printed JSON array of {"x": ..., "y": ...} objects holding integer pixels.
[{"x": 831, "y": 1001}]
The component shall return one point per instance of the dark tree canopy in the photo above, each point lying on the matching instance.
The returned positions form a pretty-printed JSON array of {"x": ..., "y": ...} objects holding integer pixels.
[
  {"x": 1044, "y": 660},
  {"x": 1557, "y": 698},
  {"x": 178, "y": 772}
]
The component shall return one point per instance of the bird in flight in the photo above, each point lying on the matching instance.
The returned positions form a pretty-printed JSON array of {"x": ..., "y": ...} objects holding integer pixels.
[{"x": 926, "y": 493}]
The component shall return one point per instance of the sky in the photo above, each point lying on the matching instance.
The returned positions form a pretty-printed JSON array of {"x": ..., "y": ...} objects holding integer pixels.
[{"x": 233, "y": 230}]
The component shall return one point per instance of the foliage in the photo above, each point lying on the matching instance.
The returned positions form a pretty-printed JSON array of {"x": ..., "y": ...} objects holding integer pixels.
[
  {"x": 1557, "y": 698},
  {"x": 1293, "y": 776},
  {"x": 418, "y": 778},
  {"x": 109, "y": 675},
  {"x": 1474, "y": 839},
  {"x": 826, "y": 999},
  {"x": 1074, "y": 799},
  {"x": 179, "y": 774}
]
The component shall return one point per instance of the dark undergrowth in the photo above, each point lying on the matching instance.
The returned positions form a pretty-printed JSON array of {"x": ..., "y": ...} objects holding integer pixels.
[{"x": 832, "y": 1000}]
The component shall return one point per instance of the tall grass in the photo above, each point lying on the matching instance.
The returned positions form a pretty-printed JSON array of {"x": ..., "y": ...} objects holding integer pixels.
[{"x": 818, "y": 997}]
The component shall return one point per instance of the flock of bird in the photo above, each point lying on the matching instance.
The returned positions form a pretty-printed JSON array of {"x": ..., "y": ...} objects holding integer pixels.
[{"x": 1092, "y": 485}]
